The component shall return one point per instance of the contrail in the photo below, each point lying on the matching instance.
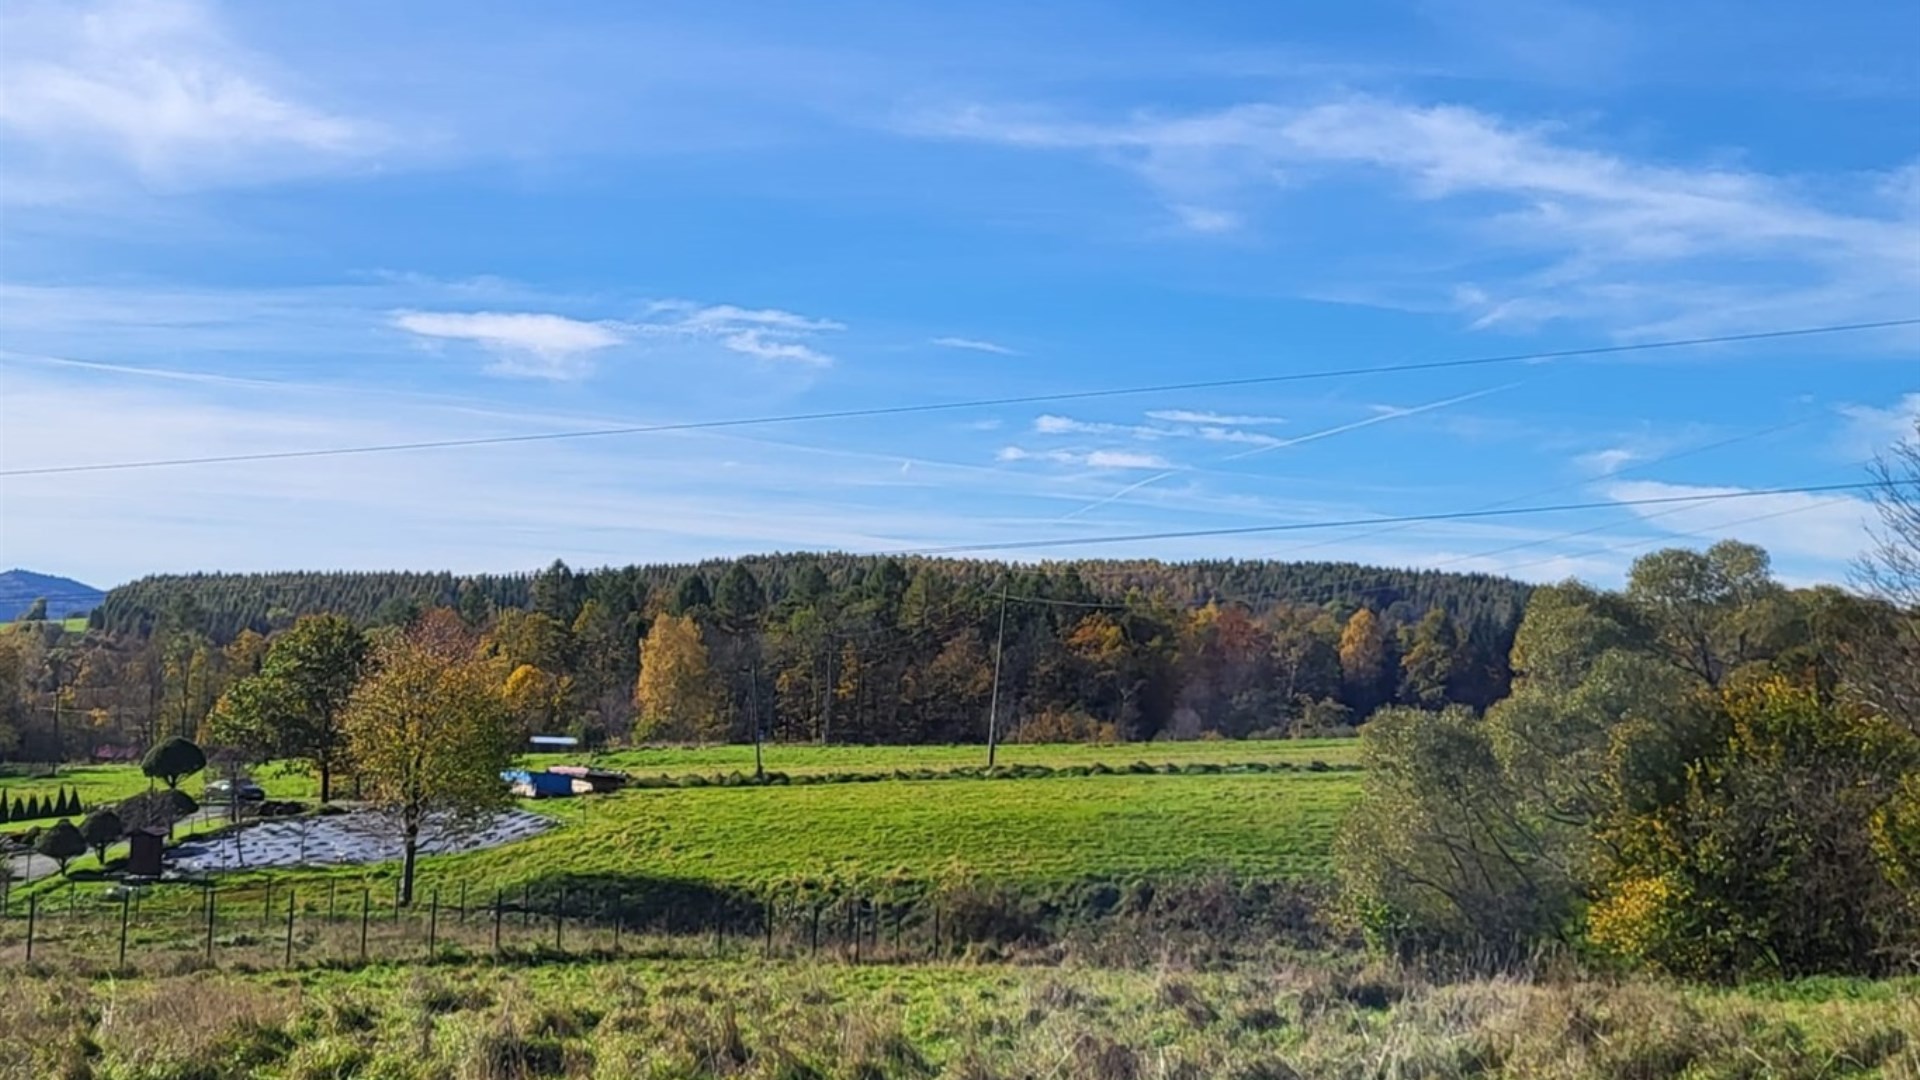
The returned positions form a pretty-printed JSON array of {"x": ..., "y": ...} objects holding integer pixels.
[{"x": 1296, "y": 441}]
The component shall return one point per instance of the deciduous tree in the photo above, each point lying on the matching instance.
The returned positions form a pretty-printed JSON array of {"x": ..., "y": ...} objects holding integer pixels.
[
  {"x": 677, "y": 695},
  {"x": 430, "y": 733},
  {"x": 173, "y": 760}
]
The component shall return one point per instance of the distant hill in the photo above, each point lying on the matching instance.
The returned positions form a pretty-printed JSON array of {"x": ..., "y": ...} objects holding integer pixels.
[{"x": 64, "y": 596}]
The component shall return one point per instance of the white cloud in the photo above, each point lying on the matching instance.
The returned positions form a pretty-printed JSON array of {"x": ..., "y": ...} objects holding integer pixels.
[
  {"x": 1096, "y": 459},
  {"x": 1606, "y": 462},
  {"x": 1871, "y": 430},
  {"x": 1604, "y": 236},
  {"x": 973, "y": 345},
  {"x": 762, "y": 333},
  {"x": 1048, "y": 424},
  {"x": 157, "y": 87},
  {"x": 1125, "y": 459},
  {"x": 755, "y": 343},
  {"x": 1191, "y": 416},
  {"x": 1827, "y": 528},
  {"x": 728, "y": 317},
  {"x": 526, "y": 344}
]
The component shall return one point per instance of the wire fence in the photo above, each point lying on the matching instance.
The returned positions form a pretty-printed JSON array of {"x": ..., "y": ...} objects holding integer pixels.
[{"x": 306, "y": 923}]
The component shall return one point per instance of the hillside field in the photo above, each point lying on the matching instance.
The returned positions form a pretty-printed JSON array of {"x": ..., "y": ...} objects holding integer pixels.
[{"x": 882, "y": 832}]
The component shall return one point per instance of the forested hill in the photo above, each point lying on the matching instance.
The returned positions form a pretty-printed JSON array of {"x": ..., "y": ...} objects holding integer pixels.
[{"x": 222, "y": 605}]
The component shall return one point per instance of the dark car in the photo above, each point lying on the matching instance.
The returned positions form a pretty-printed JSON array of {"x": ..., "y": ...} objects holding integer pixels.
[{"x": 220, "y": 791}]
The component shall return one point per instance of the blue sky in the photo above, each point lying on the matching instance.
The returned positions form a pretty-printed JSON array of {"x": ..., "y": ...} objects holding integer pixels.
[{"x": 261, "y": 227}]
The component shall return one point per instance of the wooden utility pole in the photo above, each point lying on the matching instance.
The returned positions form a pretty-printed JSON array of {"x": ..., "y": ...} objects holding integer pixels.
[
  {"x": 993, "y": 703},
  {"x": 753, "y": 712}
]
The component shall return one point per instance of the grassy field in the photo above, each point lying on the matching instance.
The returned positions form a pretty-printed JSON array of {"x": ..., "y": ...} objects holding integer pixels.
[
  {"x": 808, "y": 759},
  {"x": 108, "y": 783},
  {"x": 1024, "y": 831},
  {"x": 787, "y": 1021}
]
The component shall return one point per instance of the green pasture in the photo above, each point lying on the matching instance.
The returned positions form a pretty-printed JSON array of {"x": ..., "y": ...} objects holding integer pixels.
[
  {"x": 796, "y": 759},
  {"x": 1035, "y": 832}
]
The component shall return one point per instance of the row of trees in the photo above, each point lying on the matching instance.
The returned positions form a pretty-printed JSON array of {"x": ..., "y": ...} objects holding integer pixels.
[
  {"x": 820, "y": 648},
  {"x": 1707, "y": 773},
  {"x": 64, "y": 803}
]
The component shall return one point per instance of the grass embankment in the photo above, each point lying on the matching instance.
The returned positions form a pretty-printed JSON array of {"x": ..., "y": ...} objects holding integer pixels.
[{"x": 745, "y": 1019}]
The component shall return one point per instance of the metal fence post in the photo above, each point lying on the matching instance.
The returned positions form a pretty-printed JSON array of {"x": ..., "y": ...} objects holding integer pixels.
[
  {"x": 559, "y": 912},
  {"x": 33, "y": 918},
  {"x": 366, "y": 915},
  {"x": 211, "y": 904},
  {"x": 288, "y": 957},
  {"x": 433, "y": 921},
  {"x": 496, "y": 923},
  {"x": 126, "y": 910},
  {"x": 332, "y": 887}
]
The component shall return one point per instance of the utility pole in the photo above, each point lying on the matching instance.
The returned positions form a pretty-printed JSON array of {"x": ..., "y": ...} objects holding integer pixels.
[
  {"x": 993, "y": 703},
  {"x": 753, "y": 711}
]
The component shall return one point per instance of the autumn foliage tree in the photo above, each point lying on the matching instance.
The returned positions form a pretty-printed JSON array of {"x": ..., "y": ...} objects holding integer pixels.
[
  {"x": 677, "y": 696},
  {"x": 430, "y": 733}
]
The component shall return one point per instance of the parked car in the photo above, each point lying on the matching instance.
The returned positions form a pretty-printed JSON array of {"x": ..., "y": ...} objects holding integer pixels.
[{"x": 222, "y": 791}]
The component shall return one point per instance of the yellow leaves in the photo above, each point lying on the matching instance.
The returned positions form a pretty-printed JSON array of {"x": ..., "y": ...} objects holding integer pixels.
[
  {"x": 429, "y": 728},
  {"x": 677, "y": 695},
  {"x": 1097, "y": 639},
  {"x": 1631, "y": 921}
]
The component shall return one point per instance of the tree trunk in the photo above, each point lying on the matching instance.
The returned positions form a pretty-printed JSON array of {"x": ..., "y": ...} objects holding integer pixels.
[{"x": 410, "y": 843}]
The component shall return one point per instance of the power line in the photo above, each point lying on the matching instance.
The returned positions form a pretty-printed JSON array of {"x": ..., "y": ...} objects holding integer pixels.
[
  {"x": 1555, "y": 489},
  {"x": 1457, "y": 515},
  {"x": 949, "y": 406}
]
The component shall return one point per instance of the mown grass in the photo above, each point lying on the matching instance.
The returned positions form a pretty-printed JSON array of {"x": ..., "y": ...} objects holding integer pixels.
[{"x": 788, "y": 1021}]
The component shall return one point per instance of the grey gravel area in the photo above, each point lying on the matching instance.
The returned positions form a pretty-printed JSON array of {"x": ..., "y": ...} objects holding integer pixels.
[{"x": 357, "y": 837}]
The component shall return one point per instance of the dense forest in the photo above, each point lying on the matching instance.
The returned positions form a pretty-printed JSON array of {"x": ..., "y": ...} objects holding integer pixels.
[{"x": 831, "y": 648}]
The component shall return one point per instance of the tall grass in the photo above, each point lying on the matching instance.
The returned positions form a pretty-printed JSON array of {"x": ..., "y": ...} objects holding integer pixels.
[{"x": 751, "y": 1020}]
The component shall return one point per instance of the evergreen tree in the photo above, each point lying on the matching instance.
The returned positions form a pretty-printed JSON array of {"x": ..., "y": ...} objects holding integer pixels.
[
  {"x": 693, "y": 596},
  {"x": 738, "y": 599}
]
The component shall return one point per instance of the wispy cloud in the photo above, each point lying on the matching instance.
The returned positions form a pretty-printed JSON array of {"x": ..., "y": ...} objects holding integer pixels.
[
  {"x": 1606, "y": 462},
  {"x": 523, "y": 344},
  {"x": 1095, "y": 459},
  {"x": 762, "y": 333},
  {"x": 1378, "y": 417},
  {"x": 1191, "y": 416},
  {"x": 158, "y": 88},
  {"x": 974, "y": 345},
  {"x": 1872, "y": 429},
  {"x": 1826, "y": 528},
  {"x": 1610, "y": 238}
]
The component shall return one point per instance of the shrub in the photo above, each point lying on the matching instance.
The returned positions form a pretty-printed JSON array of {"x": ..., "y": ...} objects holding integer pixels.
[
  {"x": 101, "y": 830},
  {"x": 62, "y": 843},
  {"x": 173, "y": 760}
]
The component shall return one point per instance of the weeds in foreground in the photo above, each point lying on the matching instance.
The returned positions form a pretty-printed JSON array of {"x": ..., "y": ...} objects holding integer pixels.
[{"x": 795, "y": 1021}]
